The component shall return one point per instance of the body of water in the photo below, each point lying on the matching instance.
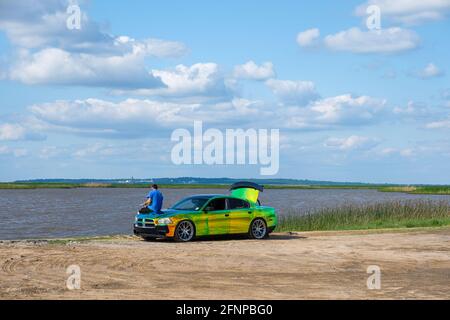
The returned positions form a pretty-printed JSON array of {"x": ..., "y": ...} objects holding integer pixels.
[{"x": 55, "y": 213}]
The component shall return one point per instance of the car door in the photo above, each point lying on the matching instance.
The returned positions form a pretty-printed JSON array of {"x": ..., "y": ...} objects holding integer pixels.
[
  {"x": 240, "y": 215},
  {"x": 217, "y": 217}
]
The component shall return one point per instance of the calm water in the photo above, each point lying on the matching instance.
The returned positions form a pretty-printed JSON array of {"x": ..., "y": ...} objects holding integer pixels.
[{"x": 56, "y": 213}]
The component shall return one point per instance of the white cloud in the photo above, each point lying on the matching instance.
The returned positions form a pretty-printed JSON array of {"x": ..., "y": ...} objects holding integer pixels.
[
  {"x": 408, "y": 12},
  {"x": 202, "y": 80},
  {"x": 293, "y": 92},
  {"x": 50, "y": 53},
  {"x": 11, "y": 132},
  {"x": 442, "y": 124},
  {"x": 42, "y": 24},
  {"x": 56, "y": 66},
  {"x": 16, "y": 152},
  {"x": 308, "y": 37},
  {"x": 391, "y": 40},
  {"x": 138, "y": 118},
  {"x": 48, "y": 152},
  {"x": 134, "y": 118},
  {"x": 252, "y": 71},
  {"x": 99, "y": 149},
  {"x": 16, "y": 132},
  {"x": 403, "y": 152},
  {"x": 413, "y": 110},
  {"x": 343, "y": 110},
  {"x": 430, "y": 71},
  {"x": 103, "y": 117},
  {"x": 351, "y": 143},
  {"x": 157, "y": 48}
]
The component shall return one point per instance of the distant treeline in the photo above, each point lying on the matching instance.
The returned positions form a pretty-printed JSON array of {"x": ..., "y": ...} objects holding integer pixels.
[
  {"x": 217, "y": 183},
  {"x": 201, "y": 181}
]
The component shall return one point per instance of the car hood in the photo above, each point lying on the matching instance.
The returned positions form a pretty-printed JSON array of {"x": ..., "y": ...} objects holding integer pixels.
[{"x": 167, "y": 213}]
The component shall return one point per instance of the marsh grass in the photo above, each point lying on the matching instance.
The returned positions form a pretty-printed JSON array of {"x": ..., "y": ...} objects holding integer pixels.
[
  {"x": 418, "y": 189},
  {"x": 407, "y": 214},
  {"x": 441, "y": 190}
]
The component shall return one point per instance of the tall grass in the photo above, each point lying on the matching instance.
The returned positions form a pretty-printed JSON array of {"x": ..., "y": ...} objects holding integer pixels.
[
  {"x": 396, "y": 214},
  {"x": 418, "y": 189}
]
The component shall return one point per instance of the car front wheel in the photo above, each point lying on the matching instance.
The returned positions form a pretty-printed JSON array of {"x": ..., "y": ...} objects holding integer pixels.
[
  {"x": 184, "y": 231},
  {"x": 258, "y": 229}
]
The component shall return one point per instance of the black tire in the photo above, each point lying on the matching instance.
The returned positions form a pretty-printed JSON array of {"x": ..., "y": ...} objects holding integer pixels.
[
  {"x": 258, "y": 229},
  {"x": 184, "y": 232}
]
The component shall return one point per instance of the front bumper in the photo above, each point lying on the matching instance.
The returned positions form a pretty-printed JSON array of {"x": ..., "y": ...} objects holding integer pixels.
[{"x": 156, "y": 231}]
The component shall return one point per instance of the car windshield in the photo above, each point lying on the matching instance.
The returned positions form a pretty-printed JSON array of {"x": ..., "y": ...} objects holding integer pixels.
[{"x": 194, "y": 203}]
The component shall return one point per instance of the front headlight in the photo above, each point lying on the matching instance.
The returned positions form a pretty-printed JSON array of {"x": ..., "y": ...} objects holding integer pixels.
[{"x": 164, "y": 221}]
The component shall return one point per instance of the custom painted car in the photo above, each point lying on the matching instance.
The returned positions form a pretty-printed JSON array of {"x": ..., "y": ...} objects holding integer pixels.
[{"x": 213, "y": 214}]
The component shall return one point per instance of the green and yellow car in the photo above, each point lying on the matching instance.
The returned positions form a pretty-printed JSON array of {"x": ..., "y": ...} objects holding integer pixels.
[{"x": 212, "y": 214}]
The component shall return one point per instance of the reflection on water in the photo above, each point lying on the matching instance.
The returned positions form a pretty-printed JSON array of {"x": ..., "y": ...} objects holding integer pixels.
[{"x": 52, "y": 213}]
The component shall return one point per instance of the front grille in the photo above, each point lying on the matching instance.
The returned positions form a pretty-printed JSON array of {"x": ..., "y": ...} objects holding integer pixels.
[
  {"x": 145, "y": 223},
  {"x": 149, "y": 223}
]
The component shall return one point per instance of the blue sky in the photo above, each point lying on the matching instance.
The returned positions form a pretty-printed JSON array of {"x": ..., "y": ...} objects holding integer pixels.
[{"x": 352, "y": 104}]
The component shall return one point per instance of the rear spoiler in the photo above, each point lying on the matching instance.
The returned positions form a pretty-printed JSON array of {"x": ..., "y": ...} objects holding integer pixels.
[{"x": 246, "y": 190}]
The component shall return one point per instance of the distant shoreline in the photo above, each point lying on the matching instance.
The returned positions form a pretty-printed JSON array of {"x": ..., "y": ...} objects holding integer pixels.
[{"x": 437, "y": 190}]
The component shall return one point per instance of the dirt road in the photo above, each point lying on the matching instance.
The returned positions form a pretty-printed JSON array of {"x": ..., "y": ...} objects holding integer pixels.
[{"x": 414, "y": 265}]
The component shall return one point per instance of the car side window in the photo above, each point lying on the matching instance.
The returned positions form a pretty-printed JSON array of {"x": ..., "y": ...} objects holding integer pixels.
[
  {"x": 238, "y": 204},
  {"x": 217, "y": 204}
]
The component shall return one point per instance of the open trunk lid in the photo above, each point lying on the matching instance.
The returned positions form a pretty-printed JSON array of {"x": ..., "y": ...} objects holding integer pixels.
[{"x": 246, "y": 190}]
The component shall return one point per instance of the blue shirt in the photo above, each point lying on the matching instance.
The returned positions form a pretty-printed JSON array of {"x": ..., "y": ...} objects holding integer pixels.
[{"x": 157, "y": 200}]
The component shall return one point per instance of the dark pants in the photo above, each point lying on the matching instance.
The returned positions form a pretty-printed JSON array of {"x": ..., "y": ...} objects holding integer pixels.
[{"x": 145, "y": 210}]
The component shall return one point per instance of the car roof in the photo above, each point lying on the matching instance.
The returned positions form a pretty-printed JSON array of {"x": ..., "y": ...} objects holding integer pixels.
[
  {"x": 211, "y": 196},
  {"x": 206, "y": 196}
]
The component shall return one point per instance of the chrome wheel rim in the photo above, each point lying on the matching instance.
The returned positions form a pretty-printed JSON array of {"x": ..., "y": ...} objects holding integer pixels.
[
  {"x": 258, "y": 229},
  {"x": 185, "y": 231}
]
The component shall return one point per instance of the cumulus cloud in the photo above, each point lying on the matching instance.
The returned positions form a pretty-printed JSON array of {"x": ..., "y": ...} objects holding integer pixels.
[
  {"x": 442, "y": 124},
  {"x": 251, "y": 71},
  {"x": 403, "y": 152},
  {"x": 16, "y": 152},
  {"x": 16, "y": 132},
  {"x": 355, "y": 40},
  {"x": 390, "y": 40},
  {"x": 351, "y": 143},
  {"x": 293, "y": 92},
  {"x": 430, "y": 71},
  {"x": 413, "y": 110},
  {"x": 42, "y": 24},
  {"x": 202, "y": 80},
  {"x": 59, "y": 67},
  {"x": 409, "y": 12},
  {"x": 308, "y": 37},
  {"x": 100, "y": 117},
  {"x": 343, "y": 110},
  {"x": 50, "y": 53},
  {"x": 136, "y": 117}
]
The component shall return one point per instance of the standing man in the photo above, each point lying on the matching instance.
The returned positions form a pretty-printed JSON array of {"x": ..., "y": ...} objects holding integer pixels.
[{"x": 154, "y": 201}]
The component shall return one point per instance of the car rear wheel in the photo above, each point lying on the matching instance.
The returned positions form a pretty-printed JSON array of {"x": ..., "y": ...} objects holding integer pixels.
[
  {"x": 258, "y": 229},
  {"x": 184, "y": 231}
]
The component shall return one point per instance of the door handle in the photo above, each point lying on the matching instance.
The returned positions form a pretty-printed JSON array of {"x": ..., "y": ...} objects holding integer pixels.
[
  {"x": 250, "y": 212},
  {"x": 227, "y": 215}
]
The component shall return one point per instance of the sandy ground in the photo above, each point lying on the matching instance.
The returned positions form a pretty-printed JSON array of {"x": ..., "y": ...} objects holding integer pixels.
[{"x": 414, "y": 265}]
